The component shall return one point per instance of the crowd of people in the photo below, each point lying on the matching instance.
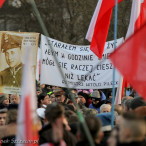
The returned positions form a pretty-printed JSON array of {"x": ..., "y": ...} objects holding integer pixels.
[{"x": 62, "y": 124}]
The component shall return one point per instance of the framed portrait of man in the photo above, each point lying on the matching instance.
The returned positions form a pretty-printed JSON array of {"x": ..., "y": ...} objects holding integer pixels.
[{"x": 12, "y": 52}]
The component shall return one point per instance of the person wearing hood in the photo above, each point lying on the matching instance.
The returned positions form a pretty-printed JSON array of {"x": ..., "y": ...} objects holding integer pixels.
[{"x": 96, "y": 101}]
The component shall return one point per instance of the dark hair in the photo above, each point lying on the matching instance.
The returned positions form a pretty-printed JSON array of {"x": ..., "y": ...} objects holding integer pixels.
[
  {"x": 41, "y": 97},
  {"x": 136, "y": 102},
  {"x": 127, "y": 103},
  {"x": 54, "y": 111},
  {"x": 131, "y": 116},
  {"x": 94, "y": 125}
]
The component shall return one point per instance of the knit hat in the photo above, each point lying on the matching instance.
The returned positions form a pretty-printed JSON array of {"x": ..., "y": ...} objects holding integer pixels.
[
  {"x": 2, "y": 98},
  {"x": 95, "y": 96},
  {"x": 136, "y": 102},
  {"x": 106, "y": 121}
]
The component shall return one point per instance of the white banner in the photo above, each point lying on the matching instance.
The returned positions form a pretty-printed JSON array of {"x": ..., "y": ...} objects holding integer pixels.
[{"x": 77, "y": 63}]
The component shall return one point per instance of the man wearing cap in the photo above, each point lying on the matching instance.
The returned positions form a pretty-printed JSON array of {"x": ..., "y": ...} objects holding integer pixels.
[
  {"x": 11, "y": 46},
  {"x": 96, "y": 101}
]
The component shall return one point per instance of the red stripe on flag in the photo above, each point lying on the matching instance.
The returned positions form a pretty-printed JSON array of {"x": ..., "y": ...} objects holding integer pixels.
[
  {"x": 1, "y": 3},
  {"x": 28, "y": 120},
  {"x": 131, "y": 62},
  {"x": 31, "y": 132},
  {"x": 102, "y": 27},
  {"x": 139, "y": 22},
  {"x": 100, "y": 34}
]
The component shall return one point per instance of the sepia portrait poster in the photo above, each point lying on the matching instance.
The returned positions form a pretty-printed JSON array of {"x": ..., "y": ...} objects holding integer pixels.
[{"x": 12, "y": 53}]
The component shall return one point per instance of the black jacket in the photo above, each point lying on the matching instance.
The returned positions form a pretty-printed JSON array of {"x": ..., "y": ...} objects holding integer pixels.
[
  {"x": 45, "y": 136},
  {"x": 142, "y": 143}
]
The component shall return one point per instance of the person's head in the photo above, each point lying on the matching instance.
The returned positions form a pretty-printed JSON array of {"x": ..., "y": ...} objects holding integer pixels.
[
  {"x": 14, "y": 99},
  {"x": 3, "y": 114},
  {"x": 132, "y": 128},
  {"x": 90, "y": 112},
  {"x": 38, "y": 91},
  {"x": 11, "y": 46},
  {"x": 53, "y": 112},
  {"x": 127, "y": 105},
  {"x": 113, "y": 138},
  {"x": 82, "y": 99},
  {"x": 124, "y": 99},
  {"x": 96, "y": 98},
  {"x": 52, "y": 96},
  {"x": 141, "y": 111},
  {"x": 13, "y": 57},
  {"x": 4, "y": 99},
  {"x": 12, "y": 113},
  {"x": 60, "y": 96},
  {"x": 43, "y": 98},
  {"x": 118, "y": 109},
  {"x": 105, "y": 108},
  {"x": 137, "y": 102},
  {"x": 94, "y": 125}
]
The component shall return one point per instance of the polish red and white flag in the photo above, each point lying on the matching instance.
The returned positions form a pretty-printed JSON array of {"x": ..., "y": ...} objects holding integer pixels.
[
  {"x": 27, "y": 133},
  {"x": 137, "y": 19},
  {"x": 99, "y": 26}
]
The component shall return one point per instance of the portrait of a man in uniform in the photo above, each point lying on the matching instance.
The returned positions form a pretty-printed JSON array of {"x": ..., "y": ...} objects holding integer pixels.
[{"x": 11, "y": 47}]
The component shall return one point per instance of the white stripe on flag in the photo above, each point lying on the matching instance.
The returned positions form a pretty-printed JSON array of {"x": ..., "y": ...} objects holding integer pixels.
[
  {"x": 135, "y": 12},
  {"x": 90, "y": 31}
]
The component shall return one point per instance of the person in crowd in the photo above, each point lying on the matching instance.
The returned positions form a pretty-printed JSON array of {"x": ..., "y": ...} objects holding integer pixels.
[
  {"x": 14, "y": 99},
  {"x": 132, "y": 130},
  {"x": 124, "y": 99},
  {"x": 118, "y": 109},
  {"x": 11, "y": 46},
  {"x": 3, "y": 114},
  {"x": 137, "y": 102},
  {"x": 113, "y": 139},
  {"x": 127, "y": 105},
  {"x": 52, "y": 96},
  {"x": 86, "y": 96},
  {"x": 91, "y": 112},
  {"x": 94, "y": 125},
  {"x": 4, "y": 99},
  {"x": 105, "y": 108},
  {"x": 69, "y": 114},
  {"x": 106, "y": 119},
  {"x": 96, "y": 101},
  {"x": 41, "y": 115},
  {"x": 38, "y": 91},
  {"x": 43, "y": 100},
  {"x": 81, "y": 99},
  {"x": 60, "y": 96},
  {"x": 141, "y": 110},
  {"x": 55, "y": 131},
  {"x": 8, "y": 131},
  {"x": 109, "y": 101}
]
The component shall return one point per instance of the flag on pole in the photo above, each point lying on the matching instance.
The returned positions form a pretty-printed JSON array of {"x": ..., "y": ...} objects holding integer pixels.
[
  {"x": 99, "y": 25},
  {"x": 136, "y": 21},
  {"x": 27, "y": 117},
  {"x": 130, "y": 60},
  {"x": 137, "y": 17},
  {"x": 1, "y": 3}
]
